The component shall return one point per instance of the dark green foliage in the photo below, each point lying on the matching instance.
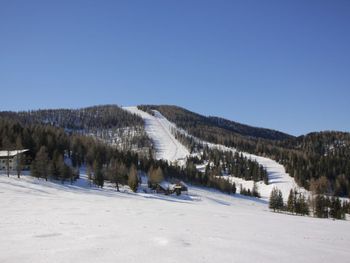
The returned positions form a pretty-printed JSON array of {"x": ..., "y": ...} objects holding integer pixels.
[
  {"x": 336, "y": 209},
  {"x": 321, "y": 206},
  {"x": 244, "y": 191},
  {"x": 98, "y": 174},
  {"x": 234, "y": 164},
  {"x": 276, "y": 200},
  {"x": 291, "y": 201},
  {"x": 255, "y": 191},
  {"x": 297, "y": 203},
  {"x": 301, "y": 205}
]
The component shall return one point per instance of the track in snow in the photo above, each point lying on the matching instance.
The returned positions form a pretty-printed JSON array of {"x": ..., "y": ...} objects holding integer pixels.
[{"x": 166, "y": 145}]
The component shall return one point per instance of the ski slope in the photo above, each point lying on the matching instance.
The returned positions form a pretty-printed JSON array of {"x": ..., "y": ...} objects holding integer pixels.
[
  {"x": 158, "y": 129},
  {"x": 278, "y": 177},
  {"x": 49, "y": 222},
  {"x": 168, "y": 148}
]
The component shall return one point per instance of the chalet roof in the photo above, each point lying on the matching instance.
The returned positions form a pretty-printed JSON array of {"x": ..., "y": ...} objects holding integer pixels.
[
  {"x": 165, "y": 185},
  {"x": 12, "y": 153}
]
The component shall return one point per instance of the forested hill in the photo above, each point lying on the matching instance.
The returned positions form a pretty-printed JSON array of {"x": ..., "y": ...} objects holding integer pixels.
[
  {"x": 321, "y": 143},
  {"x": 318, "y": 161},
  {"x": 192, "y": 121},
  {"x": 95, "y": 117}
]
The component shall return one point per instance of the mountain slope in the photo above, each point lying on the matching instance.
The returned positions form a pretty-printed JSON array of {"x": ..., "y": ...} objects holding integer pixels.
[
  {"x": 108, "y": 123},
  {"x": 309, "y": 159},
  {"x": 185, "y": 119},
  {"x": 95, "y": 117},
  {"x": 167, "y": 147}
]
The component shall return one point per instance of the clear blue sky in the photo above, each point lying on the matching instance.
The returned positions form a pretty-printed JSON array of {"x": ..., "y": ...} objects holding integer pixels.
[{"x": 276, "y": 64}]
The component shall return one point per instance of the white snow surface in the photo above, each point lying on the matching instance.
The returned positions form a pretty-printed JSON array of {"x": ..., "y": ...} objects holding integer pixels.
[
  {"x": 49, "y": 222},
  {"x": 158, "y": 129}
]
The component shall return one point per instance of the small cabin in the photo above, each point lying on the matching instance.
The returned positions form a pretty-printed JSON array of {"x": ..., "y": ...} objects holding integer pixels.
[
  {"x": 10, "y": 159},
  {"x": 167, "y": 188}
]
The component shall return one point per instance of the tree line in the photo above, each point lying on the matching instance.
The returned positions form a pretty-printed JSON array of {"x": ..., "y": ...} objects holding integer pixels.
[{"x": 318, "y": 205}]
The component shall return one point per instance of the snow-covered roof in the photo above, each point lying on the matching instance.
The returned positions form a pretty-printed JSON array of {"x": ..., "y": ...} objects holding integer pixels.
[
  {"x": 12, "y": 153},
  {"x": 165, "y": 185}
]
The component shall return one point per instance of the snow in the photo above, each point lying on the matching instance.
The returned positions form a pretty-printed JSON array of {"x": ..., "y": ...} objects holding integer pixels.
[
  {"x": 158, "y": 129},
  {"x": 49, "y": 222},
  {"x": 12, "y": 153}
]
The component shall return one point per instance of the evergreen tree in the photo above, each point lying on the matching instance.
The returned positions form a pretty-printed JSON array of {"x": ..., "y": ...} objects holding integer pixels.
[
  {"x": 255, "y": 190},
  {"x": 98, "y": 174},
  {"x": 276, "y": 200},
  {"x": 89, "y": 174},
  {"x": 233, "y": 188},
  {"x": 336, "y": 210},
  {"x": 291, "y": 202},
  {"x": 133, "y": 180},
  {"x": 41, "y": 163},
  {"x": 321, "y": 208},
  {"x": 303, "y": 205}
]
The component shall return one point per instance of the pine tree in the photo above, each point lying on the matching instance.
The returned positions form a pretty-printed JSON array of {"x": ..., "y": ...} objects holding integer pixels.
[
  {"x": 291, "y": 202},
  {"x": 303, "y": 205},
  {"x": 276, "y": 200},
  {"x": 273, "y": 199},
  {"x": 133, "y": 180},
  {"x": 321, "y": 209},
  {"x": 233, "y": 188},
  {"x": 98, "y": 175},
  {"x": 63, "y": 169},
  {"x": 336, "y": 210},
  {"x": 89, "y": 174},
  {"x": 255, "y": 190},
  {"x": 117, "y": 172},
  {"x": 41, "y": 163}
]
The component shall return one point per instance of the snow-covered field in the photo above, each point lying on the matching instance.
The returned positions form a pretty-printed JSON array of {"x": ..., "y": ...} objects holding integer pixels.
[{"x": 48, "y": 222}]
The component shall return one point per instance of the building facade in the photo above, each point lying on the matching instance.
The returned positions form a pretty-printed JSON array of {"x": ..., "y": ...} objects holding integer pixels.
[{"x": 11, "y": 159}]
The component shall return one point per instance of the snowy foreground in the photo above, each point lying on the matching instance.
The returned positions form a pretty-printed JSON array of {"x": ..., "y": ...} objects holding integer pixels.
[{"x": 49, "y": 222}]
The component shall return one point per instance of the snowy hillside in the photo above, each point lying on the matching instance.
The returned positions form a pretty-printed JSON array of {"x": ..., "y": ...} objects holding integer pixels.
[
  {"x": 158, "y": 129},
  {"x": 276, "y": 173},
  {"x": 48, "y": 222}
]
